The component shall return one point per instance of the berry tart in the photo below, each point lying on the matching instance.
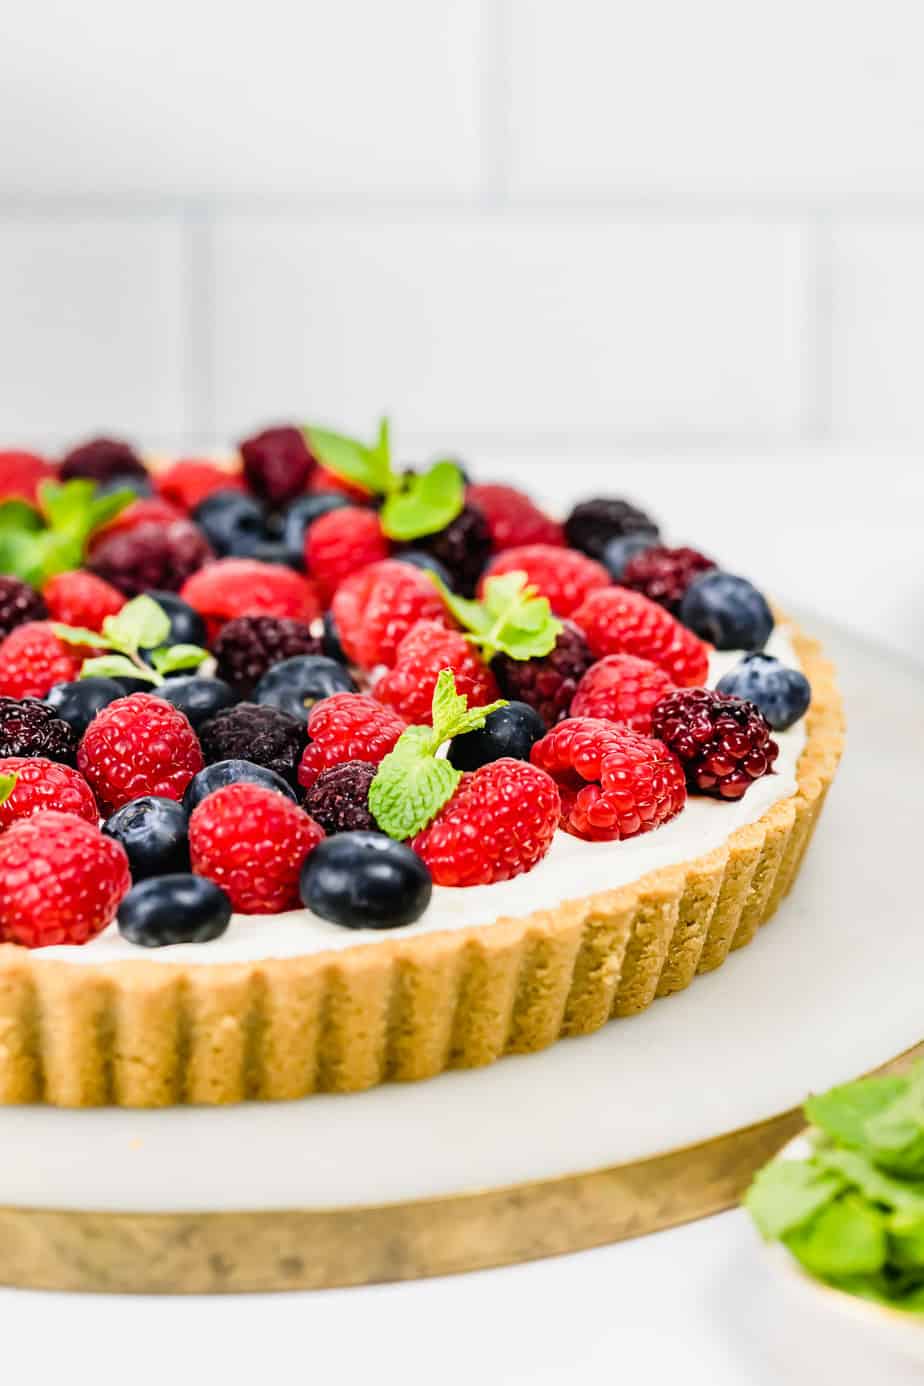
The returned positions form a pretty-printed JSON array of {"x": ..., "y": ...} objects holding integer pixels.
[{"x": 316, "y": 771}]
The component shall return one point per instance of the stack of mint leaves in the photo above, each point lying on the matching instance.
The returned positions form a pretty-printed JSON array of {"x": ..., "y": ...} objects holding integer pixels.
[
  {"x": 141, "y": 628},
  {"x": 852, "y": 1213}
]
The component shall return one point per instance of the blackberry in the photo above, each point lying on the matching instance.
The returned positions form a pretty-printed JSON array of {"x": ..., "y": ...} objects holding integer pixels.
[
  {"x": 339, "y": 798},
  {"x": 102, "y": 459},
  {"x": 29, "y": 727},
  {"x": 262, "y": 735},
  {"x": 723, "y": 743},
  {"x": 593, "y": 523},
  {"x": 277, "y": 464},
  {"x": 248, "y": 646},
  {"x": 151, "y": 556},
  {"x": 547, "y": 684},
  {"x": 463, "y": 548},
  {"x": 19, "y": 603},
  {"x": 663, "y": 575}
]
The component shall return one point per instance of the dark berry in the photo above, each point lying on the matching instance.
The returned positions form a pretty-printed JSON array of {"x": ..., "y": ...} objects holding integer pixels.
[
  {"x": 153, "y": 832},
  {"x": 617, "y": 552},
  {"x": 78, "y": 703},
  {"x": 225, "y": 772},
  {"x": 277, "y": 464},
  {"x": 199, "y": 698},
  {"x": 277, "y": 551},
  {"x": 510, "y": 731},
  {"x": 19, "y": 603},
  {"x": 33, "y": 728},
  {"x": 547, "y": 684},
  {"x": 301, "y": 514},
  {"x": 663, "y": 575},
  {"x": 593, "y": 523},
  {"x": 264, "y": 735},
  {"x": 339, "y": 798},
  {"x": 724, "y": 744},
  {"x": 100, "y": 460},
  {"x": 174, "y": 909},
  {"x": 186, "y": 625},
  {"x": 233, "y": 523},
  {"x": 330, "y": 639},
  {"x": 782, "y": 694},
  {"x": 151, "y": 556},
  {"x": 140, "y": 485},
  {"x": 365, "y": 881},
  {"x": 248, "y": 646},
  {"x": 462, "y": 548},
  {"x": 133, "y": 685},
  {"x": 728, "y": 611},
  {"x": 297, "y": 684},
  {"x": 420, "y": 559}
]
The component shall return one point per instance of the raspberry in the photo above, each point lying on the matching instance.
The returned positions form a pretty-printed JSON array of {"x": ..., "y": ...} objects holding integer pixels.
[
  {"x": 512, "y": 517},
  {"x": 19, "y": 603},
  {"x": 593, "y": 523},
  {"x": 375, "y": 608},
  {"x": 189, "y": 481},
  {"x": 100, "y": 460},
  {"x": 81, "y": 599},
  {"x": 138, "y": 745},
  {"x": 21, "y": 474},
  {"x": 548, "y": 684},
  {"x": 32, "y": 728},
  {"x": 252, "y": 842},
  {"x": 618, "y": 621},
  {"x": 663, "y": 575},
  {"x": 339, "y": 798},
  {"x": 246, "y": 587},
  {"x": 463, "y": 548},
  {"x": 324, "y": 480},
  {"x": 347, "y": 726},
  {"x": 61, "y": 880},
  {"x": 341, "y": 542},
  {"x": 277, "y": 464},
  {"x": 151, "y": 556},
  {"x": 144, "y": 510},
  {"x": 44, "y": 784},
  {"x": 32, "y": 659},
  {"x": 249, "y": 645},
  {"x": 614, "y": 783},
  {"x": 499, "y": 823},
  {"x": 427, "y": 648},
  {"x": 724, "y": 743},
  {"x": 621, "y": 688},
  {"x": 563, "y": 576},
  {"x": 250, "y": 731}
]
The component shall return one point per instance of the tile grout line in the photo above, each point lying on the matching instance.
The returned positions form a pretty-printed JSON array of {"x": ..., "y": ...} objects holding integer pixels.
[{"x": 494, "y": 106}]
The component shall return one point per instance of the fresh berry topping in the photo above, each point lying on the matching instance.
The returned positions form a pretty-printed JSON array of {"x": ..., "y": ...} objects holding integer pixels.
[
  {"x": 19, "y": 603},
  {"x": 81, "y": 599},
  {"x": 547, "y": 684},
  {"x": 138, "y": 745},
  {"x": 252, "y": 842},
  {"x": 78, "y": 703},
  {"x": 463, "y": 548},
  {"x": 341, "y": 542},
  {"x": 186, "y": 625},
  {"x": 617, "y": 621},
  {"x": 43, "y": 784},
  {"x": 199, "y": 699},
  {"x": 348, "y": 726},
  {"x": 233, "y": 523},
  {"x": 723, "y": 743},
  {"x": 425, "y": 651},
  {"x": 60, "y": 881},
  {"x": 297, "y": 684},
  {"x": 21, "y": 474},
  {"x": 513, "y": 519},
  {"x": 564, "y": 577},
  {"x": 140, "y": 512},
  {"x": 621, "y": 688},
  {"x": 614, "y": 783},
  {"x": 499, "y": 823},
  {"x": 728, "y": 611},
  {"x": 592, "y": 524},
  {"x": 32, "y": 658},
  {"x": 323, "y": 481},
  {"x": 339, "y": 798},
  {"x": 100, "y": 460},
  {"x": 663, "y": 575},
  {"x": 277, "y": 464},
  {"x": 330, "y": 639},
  {"x": 153, "y": 832},
  {"x": 33, "y": 728},
  {"x": 301, "y": 515},
  {"x": 244, "y": 587},
  {"x": 617, "y": 552},
  {"x": 264, "y": 735},
  {"x": 174, "y": 909},
  {"x": 512, "y": 731},
  {"x": 363, "y": 880},
  {"x": 416, "y": 558},
  {"x": 187, "y": 483},
  {"x": 376, "y": 607},
  {"x": 782, "y": 694},
  {"x": 151, "y": 556},
  {"x": 248, "y": 646},
  {"x": 225, "y": 772}
]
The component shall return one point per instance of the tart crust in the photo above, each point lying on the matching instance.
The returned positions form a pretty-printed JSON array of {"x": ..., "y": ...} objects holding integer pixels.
[{"x": 131, "y": 1034}]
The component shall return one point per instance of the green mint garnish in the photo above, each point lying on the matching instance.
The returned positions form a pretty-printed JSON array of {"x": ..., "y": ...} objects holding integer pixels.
[
  {"x": 35, "y": 544},
  {"x": 513, "y": 619},
  {"x": 412, "y": 784},
  {"x": 142, "y": 624},
  {"x": 7, "y": 785}
]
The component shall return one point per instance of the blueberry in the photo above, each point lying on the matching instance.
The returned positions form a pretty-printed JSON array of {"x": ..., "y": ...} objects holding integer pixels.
[
  {"x": 276, "y": 551},
  {"x": 365, "y": 881},
  {"x": 510, "y": 731},
  {"x": 225, "y": 772},
  {"x": 78, "y": 703},
  {"x": 141, "y": 485},
  {"x": 728, "y": 611},
  {"x": 418, "y": 559},
  {"x": 186, "y": 625},
  {"x": 129, "y": 685},
  {"x": 153, "y": 832},
  {"x": 302, "y": 513},
  {"x": 296, "y": 684},
  {"x": 617, "y": 552},
  {"x": 781, "y": 693},
  {"x": 330, "y": 639},
  {"x": 233, "y": 523},
  {"x": 199, "y": 698},
  {"x": 174, "y": 909}
]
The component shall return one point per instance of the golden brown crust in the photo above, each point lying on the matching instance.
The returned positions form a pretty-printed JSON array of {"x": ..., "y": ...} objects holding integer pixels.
[{"x": 134, "y": 1034}]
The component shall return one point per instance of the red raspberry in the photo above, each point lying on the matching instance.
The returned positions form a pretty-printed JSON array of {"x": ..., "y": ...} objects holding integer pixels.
[
  {"x": 45, "y": 784},
  {"x": 340, "y": 543},
  {"x": 663, "y": 575},
  {"x": 32, "y": 659},
  {"x": 246, "y": 587},
  {"x": 81, "y": 599},
  {"x": 562, "y": 575},
  {"x": 428, "y": 648},
  {"x": 618, "y": 621},
  {"x": 151, "y": 557},
  {"x": 375, "y": 608},
  {"x": 499, "y": 823},
  {"x": 190, "y": 480},
  {"x": 277, "y": 464},
  {"x": 101, "y": 459},
  {"x": 549, "y": 683},
  {"x": 621, "y": 688},
  {"x": 347, "y": 726},
  {"x": 61, "y": 880},
  {"x": 724, "y": 743},
  {"x": 252, "y": 842},
  {"x": 138, "y": 745},
  {"x": 145, "y": 510},
  {"x": 614, "y": 783},
  {"x": 323, "y": 480},
  {"x": 21, "y": 474},
  {"x": 512, "y": 517}
]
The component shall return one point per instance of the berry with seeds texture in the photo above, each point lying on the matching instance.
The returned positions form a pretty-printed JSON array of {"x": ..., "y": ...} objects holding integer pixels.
[
  {"x": 102, "y": 459},
  {"x": 614, "y": 783},
  {"x": 277, "y": 464},
  {"x": 246, "y": 587},
  {"x": 347, "y": 727},
  {"x": 249, "y": 646},
  {"x": 340, "y": 543},
  {"x": 782, "y": 694},
  {"x": 151, "y": 555},
  {"x": 44, "y": 784},
  {"x": 29, "y": 727},
  {"x": 663, "y": 575},
  {"x": 723, "y": 743},
  {"x": 339, "y": 798},
  {"x": 138, "y": 745},
  {"x": 563, "y": 576},
  {"x": 549, "y": 683},
  {"x": 617, "y": 621},
  {"x": 727, "y": 610},
  {"x": 187, "y": 483},
  {"x": 375, "y": 608},
  {"x": 19, "y": 603},
  {"x": 264, "y": 736},
  {"x": 144, "y": 511},
  {"x": 463, "y": 548},
  {"x": 593, "y": 523},
  {"x": 513, "y": 519},
  {"x": 427, "y": 649},
  {"x": 21, "y": 474},
  {"x": 32, "y": 659},
  {"x": 621, "y": 688},
  {"x": 252, "y": 842},
  {"x": 499, "y": 823},
  {"x": 81, "y": 599}
]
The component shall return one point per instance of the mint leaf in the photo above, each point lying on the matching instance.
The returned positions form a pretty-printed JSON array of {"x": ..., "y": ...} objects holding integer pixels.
[
  {"x": 105, "y": 508},
  {"x": 167, "y": 661},
  {"x": 19, "y": 516},
  {"x": 513, "y": 619},
  {"x": 116, "y": 666},
  {"x": 472, "y": 616},
  {"x": 846, "y": 1237},
  {"x": 20, "y": 556},
  {"x": 140, "y": 625},
  {"x": 786, "y": 1193},
  {"x": 903, "y": 1196},
  {"x": 351, "y": 459},
  {"x": 842, "y": 1112},
  {"x": 80, "y": 635},
  {"x": 7, "y": 785},
  {"x": 451, "y": 713},
  {"x": 426, "y": 503},
  {"x": 67, "y": 505}
]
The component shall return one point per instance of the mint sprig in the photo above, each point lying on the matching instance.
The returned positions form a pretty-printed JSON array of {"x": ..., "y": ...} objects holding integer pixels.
[
  {"x": 7, "y": 785},
  {"x": 142, "y": 624},
  {"x": 35, "y": 544},
  {"x": 412, "y": 783},
  {"x": 513, "y": 619}
]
